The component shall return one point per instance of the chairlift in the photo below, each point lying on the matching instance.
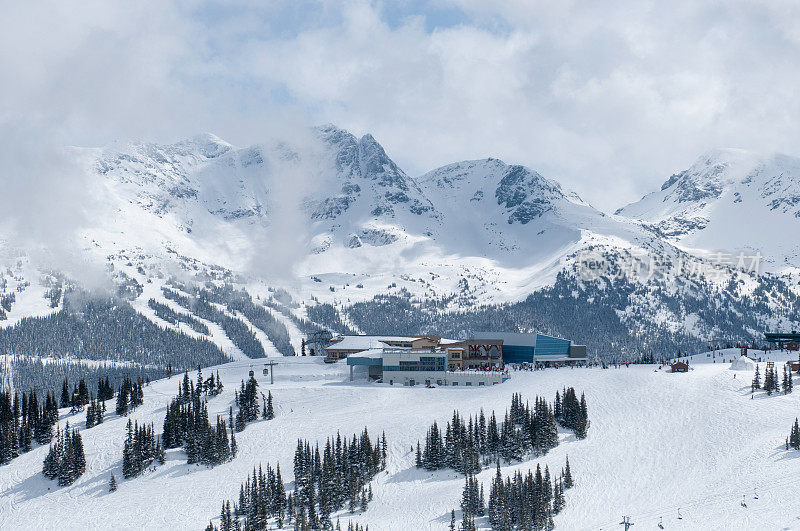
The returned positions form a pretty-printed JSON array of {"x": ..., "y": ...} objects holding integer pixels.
[
  {"x": 266, "y": 371},
  {"x": 755, "y": 494},
  {"x": 661, "y": 522},
  {"x": 679, "y": 514},
  {"x": 252, "y": 373},
  {"x": 744, "y": 504}
]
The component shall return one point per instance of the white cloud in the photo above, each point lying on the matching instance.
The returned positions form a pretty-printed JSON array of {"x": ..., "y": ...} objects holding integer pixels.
[{"x": 619, "y": 93}]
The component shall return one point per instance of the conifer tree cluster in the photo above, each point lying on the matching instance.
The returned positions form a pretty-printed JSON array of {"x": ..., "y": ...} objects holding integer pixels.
[
  {"x": 65, "y": 460},
  {"x": 336, "y": 478},
  {"x": 571, "y": 412},
  {"x": 262, "y": 498},
  {"x": 794, "y": 437},
  {"x": 462, "y": 444},
  {"x": 247, "y": 403},
  {"x": 473, "y": 503},
  {"x": 130, "y": 396},
  {"x": 101, "y": 329},
  {"x": 105, "y": 391},
  {"x": 522, "y": 501},
  {"x": 326, "y": 481},
  {"x": 186, "y": 425},
  {"x": 23, "y": 421},
  {"x": 141, "y": 448},
  {"x": 76, "y": 399},
  {"x": 771, "y": 382},
  {"x": 212, "y": 386},
  {"x": 524, "y": 430},
  {"x": 95, "y": 412}
]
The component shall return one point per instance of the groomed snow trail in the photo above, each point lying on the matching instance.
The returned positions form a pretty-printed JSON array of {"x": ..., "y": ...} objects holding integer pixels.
[{"x": 658, "y": 442}]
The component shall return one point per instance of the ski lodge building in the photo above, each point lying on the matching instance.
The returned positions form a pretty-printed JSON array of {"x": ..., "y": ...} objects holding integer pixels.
[
  {"x": 538, "y": 349},
  {"x": 433, "y": 360}
]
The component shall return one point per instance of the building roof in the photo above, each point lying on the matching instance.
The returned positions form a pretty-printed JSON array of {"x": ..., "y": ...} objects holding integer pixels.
[
  {"x": 366, "y": 342},
  {"x": 513, "y": 338},
  {"x": 373, "y": 356},
  {"x": 445, "y": 341},
  {"x": 781, "y": 336}
]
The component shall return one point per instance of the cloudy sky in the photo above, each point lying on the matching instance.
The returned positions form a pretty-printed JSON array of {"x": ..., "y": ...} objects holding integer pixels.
[{"x": 609, "y": 98}]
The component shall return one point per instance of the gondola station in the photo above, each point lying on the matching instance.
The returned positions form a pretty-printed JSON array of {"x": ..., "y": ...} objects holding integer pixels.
[{"x": 432, "y": 360}]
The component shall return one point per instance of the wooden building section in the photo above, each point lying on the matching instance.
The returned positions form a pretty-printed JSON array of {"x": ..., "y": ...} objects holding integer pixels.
[
  {"x": 480, "y": 352},
  {"x": 455, "y": 358},
  {"x": 680, "y": 366},
  {"x": 343, "y": 346}
]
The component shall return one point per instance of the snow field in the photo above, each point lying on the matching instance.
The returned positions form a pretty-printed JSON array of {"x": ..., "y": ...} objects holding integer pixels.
[{"x": 658, "y": 442}]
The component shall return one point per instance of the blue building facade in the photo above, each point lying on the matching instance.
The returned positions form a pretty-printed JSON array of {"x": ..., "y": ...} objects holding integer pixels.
[{"x": 539, "y": 348}]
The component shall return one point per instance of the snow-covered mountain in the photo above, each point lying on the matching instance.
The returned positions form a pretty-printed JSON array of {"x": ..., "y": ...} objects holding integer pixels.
[
  {"x": 312, "y": 228},
  {"x": 730, "y": 201}
]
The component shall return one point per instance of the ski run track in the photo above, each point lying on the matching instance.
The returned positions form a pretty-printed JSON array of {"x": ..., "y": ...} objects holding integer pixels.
[{"x": 659, "y": 445}]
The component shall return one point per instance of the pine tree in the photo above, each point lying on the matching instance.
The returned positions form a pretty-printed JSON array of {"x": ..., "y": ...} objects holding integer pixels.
[
  {"x": 112, "y": 484},
  {"x": 270, "y": 413},
  {"x": 756, "y": 381},
  {"x": 65, "y": 459},
  {"x": 582, "y": 425},
  {"x": 65, "y": 396},
  {"x": 567, "y": 475},
  {"x": 794, "y": 436}
]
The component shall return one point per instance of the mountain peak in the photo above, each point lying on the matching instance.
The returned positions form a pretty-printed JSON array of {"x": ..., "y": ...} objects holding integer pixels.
[{"x": 210, "y": 145}]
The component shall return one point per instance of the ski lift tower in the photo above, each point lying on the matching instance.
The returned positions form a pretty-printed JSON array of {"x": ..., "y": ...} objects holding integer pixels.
[{"x": 271, "y": 365}]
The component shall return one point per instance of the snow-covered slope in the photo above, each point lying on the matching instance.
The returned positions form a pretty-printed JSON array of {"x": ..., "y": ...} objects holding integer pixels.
[
  {"x": 659, "y": 445},
  {"x": 730, "y": 201}
]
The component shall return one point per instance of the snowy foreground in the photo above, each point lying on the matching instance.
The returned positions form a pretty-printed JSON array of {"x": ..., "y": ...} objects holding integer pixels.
[{"x": 658, "y": 444}]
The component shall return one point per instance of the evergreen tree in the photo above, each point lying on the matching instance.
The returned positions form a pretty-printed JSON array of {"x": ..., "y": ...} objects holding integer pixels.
[
  {"x": 270, "y": 412},
  {"x": 567, "y": 475},
  {"x": 794, "y": 436},
  {"x": 65, "y": 396},
  {"x": 112, "y": 484},
  {"x": 65, "y": 459},
  {"x": 756, "y": 381}
]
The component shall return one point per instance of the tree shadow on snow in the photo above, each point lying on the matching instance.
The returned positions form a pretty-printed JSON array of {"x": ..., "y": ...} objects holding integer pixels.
[
  {"x": 99, "y": 485},
  {"x": 783, "y": 454},
  {"x": 420, "y": 474},
  {"x": 33, "y": 487}
]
